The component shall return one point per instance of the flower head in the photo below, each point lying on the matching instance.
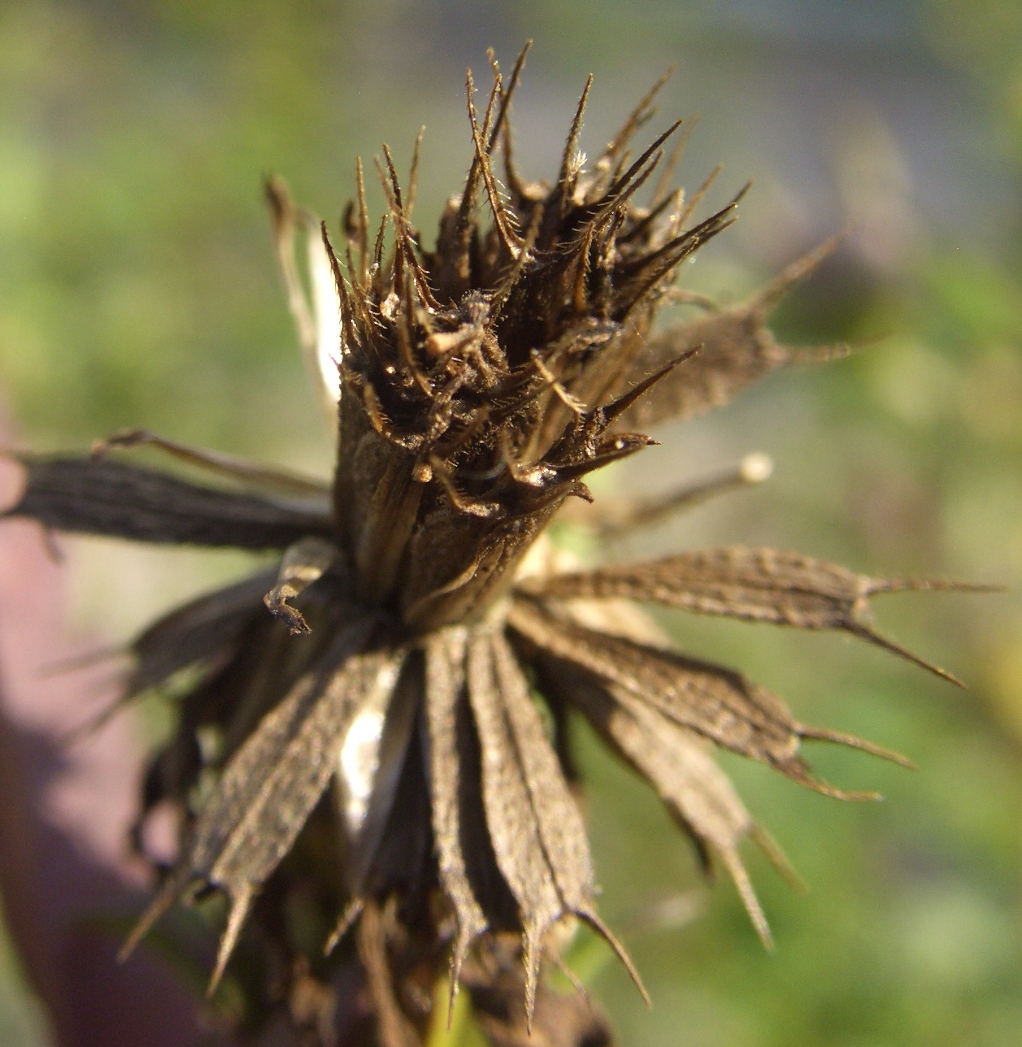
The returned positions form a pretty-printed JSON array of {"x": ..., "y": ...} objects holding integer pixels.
[{"x": 406, "y": 642}]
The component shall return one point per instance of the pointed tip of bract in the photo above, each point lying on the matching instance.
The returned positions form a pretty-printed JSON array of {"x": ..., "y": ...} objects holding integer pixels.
[
  {"x": 798, "y": 771},
  {"x": 241, "y": 902},
  {"x": 872, "y": 636},
  {"x": 778, "y": 859},
  {"x": 454, "y": 975},
  {"x": 941, "y": 585},
  {"x": 796, "y": 271},
  {"x": 531, "y": 956},
  {"x": 597, "y": 924},
  {"x": 572, "y": 978},
  {"x": 621, "y": 404},
  {"x": 737, "y": 871},
  {"x": 351, "y": 913},
  {"x": 157, "y": 907},
  {"x": 279, "y": 199},
  {"x": 452, "y": 994},
  {"x": 823, "y": 734}
]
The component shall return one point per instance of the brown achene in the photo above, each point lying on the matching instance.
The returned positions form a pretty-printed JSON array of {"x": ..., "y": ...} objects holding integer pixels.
[{"x": 402, "y": 647}]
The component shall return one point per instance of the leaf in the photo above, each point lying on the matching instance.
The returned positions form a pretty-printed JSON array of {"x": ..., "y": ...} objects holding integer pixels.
[
  {"x": 718, "y": 703},
  {"x": 126, "y": 501},
  {"x": 209, "y": 630},
  {"x": 510, "y": 813},
  {"x": 761, "y": 585},
  {"x": 272, "y": 783},
  {"x": 200, "y": 630},
  {"x": 735, "y": 349},
  {"x": 538, "y": 834},
  {"x": 445, "y": 687},
  {"x": 561, "y": 828}
]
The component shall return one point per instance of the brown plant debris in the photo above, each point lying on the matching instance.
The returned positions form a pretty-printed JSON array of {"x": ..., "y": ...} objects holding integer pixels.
[{"x": 361, "y": 727}]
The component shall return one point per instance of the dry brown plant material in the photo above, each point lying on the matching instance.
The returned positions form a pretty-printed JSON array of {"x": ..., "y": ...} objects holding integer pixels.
[{"x": 397, "y": 651}]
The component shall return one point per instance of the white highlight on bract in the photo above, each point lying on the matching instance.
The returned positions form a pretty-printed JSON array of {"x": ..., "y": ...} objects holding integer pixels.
[
  {"x": 359, "y": 761},
  {"x": 327, "y": 311}
]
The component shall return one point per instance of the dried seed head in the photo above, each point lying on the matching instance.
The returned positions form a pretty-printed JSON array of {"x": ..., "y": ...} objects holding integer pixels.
[
  {"x": 391, "y": 649},
  {"x": 480, "y": 375}
]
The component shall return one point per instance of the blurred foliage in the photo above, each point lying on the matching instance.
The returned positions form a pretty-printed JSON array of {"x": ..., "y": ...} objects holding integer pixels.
[{"x": 137, "y": 286}]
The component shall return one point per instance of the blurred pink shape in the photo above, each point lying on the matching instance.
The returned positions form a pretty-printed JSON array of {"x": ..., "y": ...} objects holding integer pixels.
[{"x": 65, "y": 867}]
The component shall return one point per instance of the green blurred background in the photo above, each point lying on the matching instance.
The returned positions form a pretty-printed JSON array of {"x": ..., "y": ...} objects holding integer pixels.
[{"x": 138, "y": 287}]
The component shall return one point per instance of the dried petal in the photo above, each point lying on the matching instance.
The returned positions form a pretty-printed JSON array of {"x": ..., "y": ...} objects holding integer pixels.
[
  {"x": 401, "y": 865},
  {"x": 537, "y": 832}
]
